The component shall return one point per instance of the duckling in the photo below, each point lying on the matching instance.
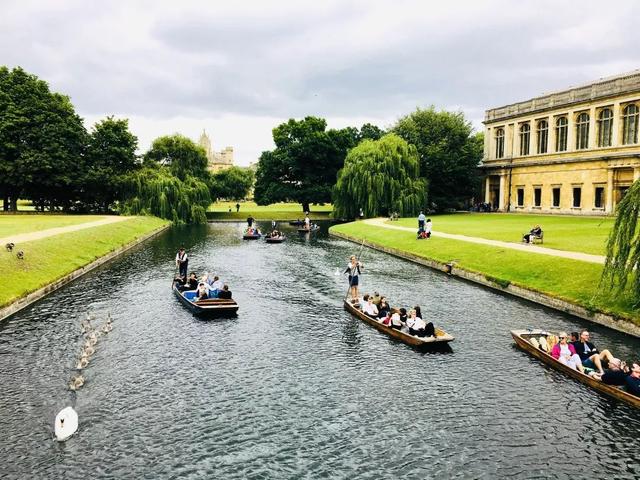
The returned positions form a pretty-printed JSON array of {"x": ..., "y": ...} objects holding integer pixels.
[
  {"x": 76, "y": 382},
  {"x": 88, "y": 351},
  {"x": 82, "y": 363},
  {"x": 107, "y": 328}
]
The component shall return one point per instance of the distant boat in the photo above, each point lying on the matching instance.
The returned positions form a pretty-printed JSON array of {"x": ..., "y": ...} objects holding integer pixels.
[
  {"x": 278, "y": 239},
  {"x": 296, "y": 223},
  {"x": 209, "y": 307},
  {"x": 442, "y": 338},
  {"x": 523, "y": 341},
  {"x": 253, "y": 235},
  {"x": 313, "y": 228}
]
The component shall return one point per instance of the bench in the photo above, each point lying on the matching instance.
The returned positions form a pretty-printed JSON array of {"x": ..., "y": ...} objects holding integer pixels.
[{"x": 537, "y": 238}]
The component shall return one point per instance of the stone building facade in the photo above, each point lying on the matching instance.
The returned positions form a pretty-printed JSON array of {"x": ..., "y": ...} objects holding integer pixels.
[
  {"x": 574, "y": 152},
  {"x": 217, "y": 160}
]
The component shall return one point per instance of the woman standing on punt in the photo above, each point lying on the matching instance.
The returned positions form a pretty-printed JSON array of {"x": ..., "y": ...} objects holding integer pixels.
[{"x": 353, "y": 269}]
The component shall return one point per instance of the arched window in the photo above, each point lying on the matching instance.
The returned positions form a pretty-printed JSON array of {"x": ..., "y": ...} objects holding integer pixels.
[
  {"x": 525, "y": 135},
  {"x": 605, "y": 127},
  {"x": 499, "y": 142},
  {"x": 543, "y": 136},
  {"x": 582, "y": 131},
  {"x": 630, "y": 122},
  {"x": 561, "y": 134}
]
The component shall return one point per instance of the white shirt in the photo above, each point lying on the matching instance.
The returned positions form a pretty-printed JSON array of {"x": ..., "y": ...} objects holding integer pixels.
[
  {"x": 370, "y": 309},
  {"x": 183, "y": 259},
  {"x": 217, "y": 285},
  {"x": 421, "y": 217},
  {"x": 427, "y": 227},
  {"x": 307, "y": 221}
]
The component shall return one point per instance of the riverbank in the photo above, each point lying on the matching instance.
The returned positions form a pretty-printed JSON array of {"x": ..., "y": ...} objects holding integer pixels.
[
  {"x": 568, "y": 285},
  {"x": 55, "y": 260},
  {"x": 219, "y": 211}
]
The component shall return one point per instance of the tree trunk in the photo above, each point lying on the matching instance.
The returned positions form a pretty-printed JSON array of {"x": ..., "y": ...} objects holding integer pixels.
[
  {"x": 14, "y": 203},
  {"x": 305, "y": 207},
  {"x": 5, "y": 203}
]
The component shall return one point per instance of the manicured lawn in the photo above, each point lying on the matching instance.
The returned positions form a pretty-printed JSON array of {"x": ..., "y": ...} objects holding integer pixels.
[
  {"x": 275, "y": 211},
  {"x": 579, "y": 234},
  {"x": 16, "y": 224},
  {"x": 51, "y": 258},
  {"x": 570, "y": 280}
]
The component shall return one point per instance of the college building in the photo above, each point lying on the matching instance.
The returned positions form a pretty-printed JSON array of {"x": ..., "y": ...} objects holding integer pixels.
[
  {"x": 216, "y": 161},
  {"x": 574, "y": 151}
]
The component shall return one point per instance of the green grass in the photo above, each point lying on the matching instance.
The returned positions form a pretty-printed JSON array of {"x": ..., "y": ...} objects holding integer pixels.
[
  {"x": 49, "y": 259},
  {"x": 17, "y": 224},
  {"x": 570, "y": 280},
  {"x": 23, "y": 205},
  {"x": 275, "y": 211},
  {"x": 578, "y": 234}
]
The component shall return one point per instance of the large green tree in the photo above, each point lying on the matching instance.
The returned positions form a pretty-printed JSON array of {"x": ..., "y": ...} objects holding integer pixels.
[
  {"x": 380, "y": 177},
  {"x": 233, "y": 183},
  {"x": 449, "y": 154},
  {"x": 623, "y": 247},
  {"x": 111, "y": 153},
  {"x": 179, "y": 153},
  {"x": 42, "y": 142},
  {"x": 303, "y": 166}
]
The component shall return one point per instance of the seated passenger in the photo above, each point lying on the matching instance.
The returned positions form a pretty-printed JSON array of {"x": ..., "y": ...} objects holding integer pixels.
[
  {"x": 429, "y": 330},
  {"x": 416, "y": 325},
  {"x": 383, "y": 307},
  {"x": 386, "y": 319},
  {"x": 369, "y": 308},
  {"x": 178, "y": 281},
  {"x": 566, "y": 354},
  {"x": 616, "y": 374},
  {"x": 534, "y": 232},
  {"x": 225, "y": 293},
  {"x": 633, "y": 379},
  {"x": 216, "y": 285},
  {"x": 403, "y": 315},
  {"x": 191, "y": 283},
  {"x": 203, "y": 291},
  {"x": 376, "y": 299},
  {"x": 589, "y": 354}
]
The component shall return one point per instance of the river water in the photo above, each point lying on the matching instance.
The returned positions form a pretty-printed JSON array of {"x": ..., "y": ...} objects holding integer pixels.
[{"x": 294, "y": 387}]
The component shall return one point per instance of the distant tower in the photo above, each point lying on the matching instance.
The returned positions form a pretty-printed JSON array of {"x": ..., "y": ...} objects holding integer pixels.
[
  {"x": 205, "y": 143},
  {"x": 216, "y": 160}
]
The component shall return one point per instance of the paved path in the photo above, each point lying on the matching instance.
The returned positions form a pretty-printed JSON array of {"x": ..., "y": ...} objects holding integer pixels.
[
  {"x": 50, "y": 232},
  {"x": 524, "y": 247}
]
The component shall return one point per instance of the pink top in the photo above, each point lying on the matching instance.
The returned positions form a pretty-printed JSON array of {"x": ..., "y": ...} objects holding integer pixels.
[{"x": 555, "y": 351}]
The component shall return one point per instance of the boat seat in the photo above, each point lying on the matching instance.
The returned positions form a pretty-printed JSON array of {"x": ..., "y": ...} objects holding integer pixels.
[{"x": 534, "y": 341}]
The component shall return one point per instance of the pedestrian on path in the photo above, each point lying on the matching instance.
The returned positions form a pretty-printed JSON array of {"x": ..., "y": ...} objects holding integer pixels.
[
  {"x": 427, "y": 228},
  {"x": 421, "y": 219},
  {"x": 237, "y": 207},
  {"x": 182, "y": 262}
]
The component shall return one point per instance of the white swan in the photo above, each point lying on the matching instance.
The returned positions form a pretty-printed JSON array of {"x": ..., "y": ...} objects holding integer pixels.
[{"x": 66, "y": 423}]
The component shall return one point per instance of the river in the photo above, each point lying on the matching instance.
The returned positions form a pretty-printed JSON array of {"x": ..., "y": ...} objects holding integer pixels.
[{"x": 294, "y": 387}]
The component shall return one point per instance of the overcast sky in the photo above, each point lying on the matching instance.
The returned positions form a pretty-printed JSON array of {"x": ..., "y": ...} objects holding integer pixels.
[{"x": 237, "y": 70}]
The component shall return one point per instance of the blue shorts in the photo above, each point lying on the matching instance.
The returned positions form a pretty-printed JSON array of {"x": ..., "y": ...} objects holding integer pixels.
[
  {"x": 589, "y": 364},
  {"x": 353, "y": 281}
]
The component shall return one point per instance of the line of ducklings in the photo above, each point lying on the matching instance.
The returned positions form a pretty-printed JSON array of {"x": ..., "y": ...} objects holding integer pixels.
[{"x": 91, "y": 336}]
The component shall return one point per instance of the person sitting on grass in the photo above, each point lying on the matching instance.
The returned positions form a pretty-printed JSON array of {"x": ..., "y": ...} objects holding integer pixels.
[
  {"x": 589, "y": 354},
  {"x": 225, "y": 293},
  {"x": 533, "y": 233},
  {"x": 566, "y": 354}
]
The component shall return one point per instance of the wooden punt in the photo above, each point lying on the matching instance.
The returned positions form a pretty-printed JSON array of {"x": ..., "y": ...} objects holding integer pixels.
[
  {"x": 278, "y": 239},
  {"x": 314, "y": 228},
  {"x": 522, "y": 337},
  {"x": 254, "y": 236},
  {"x": 211, "y": 307},
  {"x": 296, "y": 223},
  {"x": 441, "y": 338}
]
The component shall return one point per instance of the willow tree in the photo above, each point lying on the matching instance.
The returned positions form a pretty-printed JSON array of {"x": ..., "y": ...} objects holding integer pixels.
[
  {"x": 156, "y": 191},
  {"x": 623, "y": 246},
  {"x": 380, "y": 177}
]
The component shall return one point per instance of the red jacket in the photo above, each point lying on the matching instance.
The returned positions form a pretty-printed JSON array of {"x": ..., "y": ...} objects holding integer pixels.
[{"x": 555, "y": 351}]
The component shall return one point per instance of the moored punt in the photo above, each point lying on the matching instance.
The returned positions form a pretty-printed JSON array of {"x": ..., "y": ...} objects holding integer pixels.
[
  {"x": 307, "y": 230},
  {"x": 523, "y": 341},
  {"x": 296, "y": 223},
  {"x": 278, "y": 239},
  {"x": 210, "y": 307},
  {"x": 442, "y": 338}
]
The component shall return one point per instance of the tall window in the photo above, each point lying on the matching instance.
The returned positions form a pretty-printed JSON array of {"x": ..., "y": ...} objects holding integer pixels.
[
  {"x": 577, "y": 197},
  {"x": 555, "y": 201},
  {"x": 537, "y": 197},
  {"x": 561, "y": 134},
  {"x": 605, "y": 127},
  {"x": 520, "y": 197},
  {"x": 543, "y": 136},
  {"x": 525, "y": 136},
  {"x": 499, "y": 142},
  {"x": 582, "y": 131},
  {"x": 598, "y": 201},
  {"x": 630, "y": 121}
]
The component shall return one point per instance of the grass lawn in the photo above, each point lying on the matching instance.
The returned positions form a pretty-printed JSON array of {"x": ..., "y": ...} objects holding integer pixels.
[
  {"x": 51, "y": 258},
  {"x": 16, "y": 224},
  {"x": 579, "y": 234},
  {"x": 23, "y": 205},
  {"x": 570, "y": 280},
  {"x": 275, "y": 211}
]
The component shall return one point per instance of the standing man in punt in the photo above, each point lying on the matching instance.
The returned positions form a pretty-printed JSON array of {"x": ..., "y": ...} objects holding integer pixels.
[
  {"x": 353, "y": 269},
  {"x": 182, "y": 262}
]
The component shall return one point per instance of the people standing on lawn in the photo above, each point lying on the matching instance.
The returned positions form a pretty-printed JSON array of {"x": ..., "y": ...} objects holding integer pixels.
[
  {"x": 182, "y": 262},
  {"x": 237, "y": 207},
  {"x": 421, "y": 219}
]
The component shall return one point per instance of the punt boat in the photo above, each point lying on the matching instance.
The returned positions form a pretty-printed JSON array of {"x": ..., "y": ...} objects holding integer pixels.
[
  {"x": 296, "y": 223},
  {"x": 210, "y": 307},
  {"x": 523, "y": 341},
  {"x": 442, "y": 338},
  {"x": 278, "y": 239},
  {"x": 251, "y": 236},
  {"x": 312, "y": 229}
]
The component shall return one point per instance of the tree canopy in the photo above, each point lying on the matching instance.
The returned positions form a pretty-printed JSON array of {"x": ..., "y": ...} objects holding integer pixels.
[
  {"x": 232, "y": 183},
  {"x": 380, "y": 176},
  {"x": 180, "y": 154},
  {"x": 623, "y": 247},
  {"x": 449, "y": 154},
  {"x": 303, "y": 166}
]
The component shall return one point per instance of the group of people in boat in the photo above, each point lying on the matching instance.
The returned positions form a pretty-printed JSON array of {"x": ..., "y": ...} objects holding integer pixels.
[
  {"x": 578, "y": 352},
  {"x": 205, "y": 287},
  {"x": 409, "y": 321}
]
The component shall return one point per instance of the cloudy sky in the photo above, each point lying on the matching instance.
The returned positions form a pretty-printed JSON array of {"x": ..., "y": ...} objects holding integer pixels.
[{"x": 237, "y": 69}]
